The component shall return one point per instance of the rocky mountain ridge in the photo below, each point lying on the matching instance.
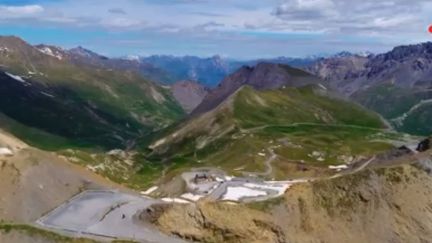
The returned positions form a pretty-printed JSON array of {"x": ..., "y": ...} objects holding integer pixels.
[
  {"x": 263, "y": 76},
  {"x": 396, "y": 84}
]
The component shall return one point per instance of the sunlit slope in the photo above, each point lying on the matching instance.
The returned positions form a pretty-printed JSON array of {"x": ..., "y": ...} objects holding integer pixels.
[
  {"x": 97, "y": 98},
  {"x": 307, "y": 125}
]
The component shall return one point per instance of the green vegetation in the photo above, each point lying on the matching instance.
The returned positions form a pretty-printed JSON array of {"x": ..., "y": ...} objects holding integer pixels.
[
  {"x": 40, "y": 233},
  {"x": 395, "y": 103},
  {"x": 292, "y": 105},
  {"x": 132, "y": 170},
  {"x": 419, "y": 121},
  {"x": 388, "y": 100},
  {"x": 49, "y": 236},
  {"x": 36, "y": 137},
  {"x": 267, "y": 204},
  {"x": 78, "y": 104},
  {"x": 297, "y": 125}
]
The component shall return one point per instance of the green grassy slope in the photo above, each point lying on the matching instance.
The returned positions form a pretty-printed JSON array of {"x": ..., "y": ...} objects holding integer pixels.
[
  {"x": 98, "y": 99},
  {"x": 408, "y": 109},
  {"x": 305, "y": 125}
]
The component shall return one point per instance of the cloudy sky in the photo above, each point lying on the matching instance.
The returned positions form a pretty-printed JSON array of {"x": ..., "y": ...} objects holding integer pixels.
[{"x": 233, "y": 28}]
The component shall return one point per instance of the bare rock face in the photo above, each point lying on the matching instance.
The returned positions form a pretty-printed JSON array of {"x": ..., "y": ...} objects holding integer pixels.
[
  {"x": 405, "y": 66},
  {"x": 338, "y": 69},
  {"x": 424, "y": 145},
  {"x": 375, "y": 205},
  {"x": 189, "y": 94},
  {"x": 216, "y": 222},
  {"x": 396, "y": 84}
]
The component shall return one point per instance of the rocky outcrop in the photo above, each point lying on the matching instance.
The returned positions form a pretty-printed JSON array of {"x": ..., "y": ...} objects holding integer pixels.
[
  {"x": 396, "y": 84},
  {"x": 424, "y": 145},
  {"x": 216, "y": 222},
  {"x": 371, "y": 206},
  {"x": 189, "y": 94},
  {"x": 405, "y": 66}
]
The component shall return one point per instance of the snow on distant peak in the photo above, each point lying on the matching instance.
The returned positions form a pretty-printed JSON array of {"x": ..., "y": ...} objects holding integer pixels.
[
  {"x": 47, "y": 51},
  {"x": 16, "y": 77},
  {"x": 132, "y": 58},
  {"x": 365, "y": 53}
]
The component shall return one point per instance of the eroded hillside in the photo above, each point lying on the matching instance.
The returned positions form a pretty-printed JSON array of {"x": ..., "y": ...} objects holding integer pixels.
[{"x": 381, "y": 204}]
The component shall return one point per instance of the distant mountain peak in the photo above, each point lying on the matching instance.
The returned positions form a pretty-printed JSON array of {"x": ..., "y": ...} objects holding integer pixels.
[
  {"x": 263, "y": 76},
  {"x": 189, "y": 93},
  {"x": 83, "y": 52},
  {"x": 135, "y": 58},
  {"x": 53, "y": 51}
]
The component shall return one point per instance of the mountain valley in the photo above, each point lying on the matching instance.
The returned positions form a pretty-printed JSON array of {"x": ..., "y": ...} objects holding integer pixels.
[{"x": 170, "y": 149}]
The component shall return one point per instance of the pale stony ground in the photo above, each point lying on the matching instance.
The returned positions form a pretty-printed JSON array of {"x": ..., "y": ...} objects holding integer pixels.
[{"x": 374, "y": 205}]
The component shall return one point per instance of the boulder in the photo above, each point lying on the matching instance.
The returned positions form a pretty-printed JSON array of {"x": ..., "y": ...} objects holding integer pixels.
[{"x": 424, "y": 145}]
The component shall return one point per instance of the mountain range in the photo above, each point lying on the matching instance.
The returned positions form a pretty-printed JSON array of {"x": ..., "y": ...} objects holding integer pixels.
[
  {"x": 396, "y": 84},
  {"x": 210, "y": 71},
  {"x": 338, "y": 136},
  {"x": 271, "y": 109},
  {"x": 57, "y": 93}
]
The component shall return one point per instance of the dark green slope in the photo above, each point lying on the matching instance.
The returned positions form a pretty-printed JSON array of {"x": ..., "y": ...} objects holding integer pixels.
[
  {"x": 94, "y": 106},
  {"x": 408, "y": 109}
]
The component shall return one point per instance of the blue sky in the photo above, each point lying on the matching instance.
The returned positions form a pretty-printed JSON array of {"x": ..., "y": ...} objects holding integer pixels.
[{"x": 233, "y": 28}]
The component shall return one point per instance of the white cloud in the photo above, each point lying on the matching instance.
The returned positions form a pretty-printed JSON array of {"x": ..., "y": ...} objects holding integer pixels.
[
  {"x": 352, "y": 16},
  {"x": 21, "y": 10},
  {"x": 307, "y": 8},
  {"x": 122, "y": 23},
  {"x": 266, "y": 26}
]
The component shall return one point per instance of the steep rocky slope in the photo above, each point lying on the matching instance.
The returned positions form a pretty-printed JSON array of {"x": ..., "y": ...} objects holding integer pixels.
[
  {"x": 375, "y": 205},
  {"x": 189, "y": 94},
  {"x": 396, "y": 84},
  {"x": 35, "y": 182},
  {"x": 84, "y": 57}
]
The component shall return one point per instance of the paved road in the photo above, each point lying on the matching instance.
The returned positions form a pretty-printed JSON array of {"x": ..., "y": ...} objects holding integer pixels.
[
  {"x": 267, "y": 163},
  {"x": 105, "y": 213}
]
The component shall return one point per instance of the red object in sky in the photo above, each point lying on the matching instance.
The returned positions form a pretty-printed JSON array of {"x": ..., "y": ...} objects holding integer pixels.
[{"x": 430, "y": 29}]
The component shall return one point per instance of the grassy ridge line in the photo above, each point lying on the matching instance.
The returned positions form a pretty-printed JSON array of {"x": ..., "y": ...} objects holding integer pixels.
[
  {"x": 298, "y": 124},
  {"x": 298, "y": 105}
]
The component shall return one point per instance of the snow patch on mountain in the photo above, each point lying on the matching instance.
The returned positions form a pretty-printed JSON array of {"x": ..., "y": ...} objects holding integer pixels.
[
  {"x": 5, "y": 152},
  {"x": 48, "y": 95},
  {"x": 4, "y": 49},
  {"x": 132, "y": 58},
  {"x": 47, "y": 51},
  {"x": 16, "y": 77}
]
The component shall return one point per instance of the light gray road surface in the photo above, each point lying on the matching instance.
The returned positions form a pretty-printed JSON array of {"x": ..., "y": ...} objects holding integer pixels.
[{"x": 109, "y": 214}]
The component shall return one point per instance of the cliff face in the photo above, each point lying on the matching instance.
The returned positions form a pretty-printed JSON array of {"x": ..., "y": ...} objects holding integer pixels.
[
  {"x": 390, "y": 204},
  {"x": 373, "y": 206}
]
